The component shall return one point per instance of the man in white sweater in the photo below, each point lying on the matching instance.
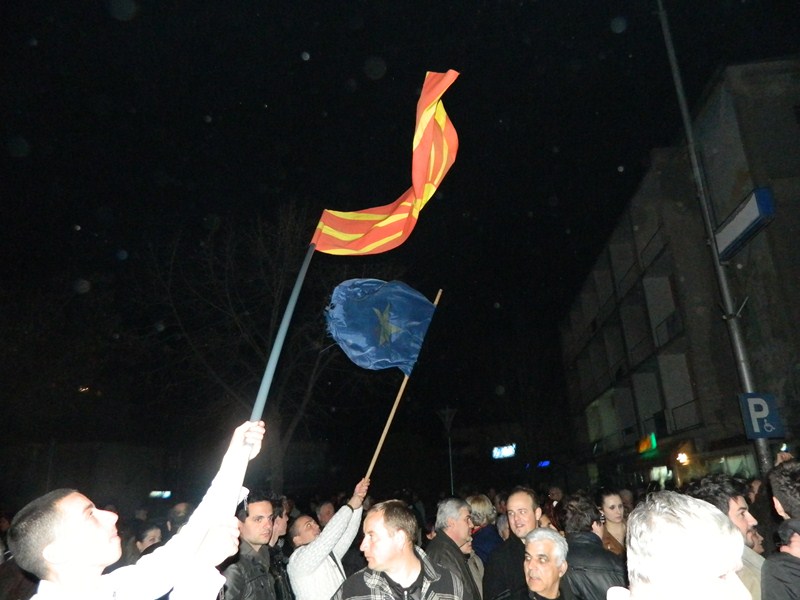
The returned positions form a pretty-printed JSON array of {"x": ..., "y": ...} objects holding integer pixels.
[
  {"x": 315, "y": 566},
  {"x": 64, "y": 539}
]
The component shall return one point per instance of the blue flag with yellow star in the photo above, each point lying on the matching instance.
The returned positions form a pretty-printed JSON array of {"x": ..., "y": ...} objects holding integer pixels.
[{"x": 378, "y": 324}]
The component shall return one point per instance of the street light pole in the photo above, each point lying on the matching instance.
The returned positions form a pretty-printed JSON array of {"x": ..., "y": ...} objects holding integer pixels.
[
  {"x": 446, "y": 415},
  {"x": 731, "y": 315}
]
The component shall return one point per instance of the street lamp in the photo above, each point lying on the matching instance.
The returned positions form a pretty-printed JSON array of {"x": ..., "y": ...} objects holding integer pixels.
[{"x": 446, "y": 415}]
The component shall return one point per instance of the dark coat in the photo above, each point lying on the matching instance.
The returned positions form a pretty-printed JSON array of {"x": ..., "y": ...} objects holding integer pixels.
[
  {"x": 277, "y": 568},
  {"x": 372, "y": 585},
  {"x": 485, "y": 540},
  {"x": 592, "y": 569},
  {"x": 780, "y": 577},
  {"x": 247, "y": 575},
  {"x": 504, "y": 576},
  {"x": 443, "y": 551}
]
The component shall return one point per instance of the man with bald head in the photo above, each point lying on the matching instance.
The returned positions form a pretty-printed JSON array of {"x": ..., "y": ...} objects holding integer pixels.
[{"x": 504, "y": 577}]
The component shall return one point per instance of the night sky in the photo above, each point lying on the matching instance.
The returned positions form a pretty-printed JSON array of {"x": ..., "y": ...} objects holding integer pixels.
[{"x": 125, "y": 123}]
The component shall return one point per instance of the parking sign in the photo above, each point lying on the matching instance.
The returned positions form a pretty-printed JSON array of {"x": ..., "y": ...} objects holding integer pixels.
[{"x": 760, "y": 416}]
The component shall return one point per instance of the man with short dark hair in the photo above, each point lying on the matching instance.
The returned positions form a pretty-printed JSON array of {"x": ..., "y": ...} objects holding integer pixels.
[
  {"x": 784, "y": 480},
  {"x": 729, "y": 495},
  {"x": 396, "y": 569},
  {"x": 504, "y": 576},
  {"x": 592, "y": 568},
  {"x": 452, "y": 544},
  {"x": 315, "y": 566},
  {"x": 247, "y": 574},
  {"x": 64, "y": 539},
  {"x": 780, "y": 576}
]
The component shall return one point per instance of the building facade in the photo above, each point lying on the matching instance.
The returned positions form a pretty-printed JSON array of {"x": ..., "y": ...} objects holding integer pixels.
[{"x": 651, "y": 376}]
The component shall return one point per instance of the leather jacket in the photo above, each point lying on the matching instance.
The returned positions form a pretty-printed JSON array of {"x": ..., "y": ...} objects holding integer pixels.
[
  {"x": 592, "y": 569},
  {"x": 247, "y": 575}
]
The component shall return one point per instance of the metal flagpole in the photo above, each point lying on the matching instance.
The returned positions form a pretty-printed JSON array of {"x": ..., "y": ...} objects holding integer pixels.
[{"x": 272, "y": 363}]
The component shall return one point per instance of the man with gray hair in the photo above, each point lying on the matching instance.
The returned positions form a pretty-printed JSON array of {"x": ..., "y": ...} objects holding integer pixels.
[
  {"x": 545, "y": 565},
  {"x": 681, "y": 547},
  {"x": 453, "y": 543}
]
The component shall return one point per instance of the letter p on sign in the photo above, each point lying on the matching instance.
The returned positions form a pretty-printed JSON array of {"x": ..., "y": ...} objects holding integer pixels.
[{"x": 760, "y": 416}]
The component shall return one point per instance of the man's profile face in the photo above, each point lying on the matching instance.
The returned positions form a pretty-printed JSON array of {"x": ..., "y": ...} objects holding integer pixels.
[
  {"x": 307, "y": 531},
  {"x": 755, "y": 541},
  {"x": 381, "y": 546},
  {"x": 279, "y": 526},
  {"x": 541, "y": 572},
  {"x": 522, "y": 516},
  {"x": 89, "y": 532},
  {"x": 460, "y": 529},
  {"x": 256, "y": 529},
  {"x": 739, "y": 514}
]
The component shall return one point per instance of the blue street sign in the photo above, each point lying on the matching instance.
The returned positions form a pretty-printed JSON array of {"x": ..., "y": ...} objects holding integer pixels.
[{"x": 760, "y": 416}]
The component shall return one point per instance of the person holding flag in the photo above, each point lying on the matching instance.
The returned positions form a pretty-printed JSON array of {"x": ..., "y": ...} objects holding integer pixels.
[
  {"x": 315, "y": 566},
  {"x": 66, "y": 541}
]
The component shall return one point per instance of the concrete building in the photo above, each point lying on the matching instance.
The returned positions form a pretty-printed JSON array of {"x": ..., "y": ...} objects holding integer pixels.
[{"x": 651, "y": 377}]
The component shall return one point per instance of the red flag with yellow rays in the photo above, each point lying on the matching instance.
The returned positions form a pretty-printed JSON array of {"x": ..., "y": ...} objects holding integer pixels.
[{"x": 379, "y": 229}]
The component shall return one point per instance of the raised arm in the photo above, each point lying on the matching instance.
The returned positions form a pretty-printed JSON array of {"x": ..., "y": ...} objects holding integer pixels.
[
  {"x": 194, "y": 552},
  {"x": 306, "y": 559},
  {"x": 356, "y": 502}
]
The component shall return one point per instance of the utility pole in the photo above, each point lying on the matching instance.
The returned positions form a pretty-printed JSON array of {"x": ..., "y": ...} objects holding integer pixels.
[{"x": 731, "y": 316}]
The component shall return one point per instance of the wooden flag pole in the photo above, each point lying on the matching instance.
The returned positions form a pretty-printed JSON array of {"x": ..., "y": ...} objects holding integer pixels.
[{"x": 394, "y": 410}]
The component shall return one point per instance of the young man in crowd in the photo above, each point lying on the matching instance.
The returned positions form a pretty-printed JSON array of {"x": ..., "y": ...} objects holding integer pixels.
[
  {"x": 729, "y": 495},
  {"x": 397, "y": 570},
  {"x": 66, "y": 541},
  {"x": 247, "y": 574},
  {"x": 315, "y": 566}
]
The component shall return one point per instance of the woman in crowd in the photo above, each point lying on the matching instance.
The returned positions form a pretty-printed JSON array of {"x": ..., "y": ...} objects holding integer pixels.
[
  {"x": 485, "y": 537},
  {"x": 611, "y": 508}
]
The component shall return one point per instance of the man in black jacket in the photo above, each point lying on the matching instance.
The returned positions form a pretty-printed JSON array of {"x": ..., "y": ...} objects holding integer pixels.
[
  {"x": 504, "y": 577},
  {"x": 592, "y": 568},
  {"x": 247, "y": 573},
  {"x": 453, "y": 542},
  {"x": 780, "y": 575}
]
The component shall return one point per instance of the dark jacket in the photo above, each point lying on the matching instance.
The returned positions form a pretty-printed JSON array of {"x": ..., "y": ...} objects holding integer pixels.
[
  {"x": 277, "y": 568},
  {"x": 564, "y": 593},
  {"x": 504, "y": 576},
  {"x": 780, "y": 577},
  {"x": 485, "y": 540},
  {"x": 443, "y": 551},
  {"x": 437, "y": 584},
  {"x": 247, "y": 575},
  {"x": 592, "y": 569}
]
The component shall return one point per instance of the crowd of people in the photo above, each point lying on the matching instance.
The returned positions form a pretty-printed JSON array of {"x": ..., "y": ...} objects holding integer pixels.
[{"x": 718, "y": 537}]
